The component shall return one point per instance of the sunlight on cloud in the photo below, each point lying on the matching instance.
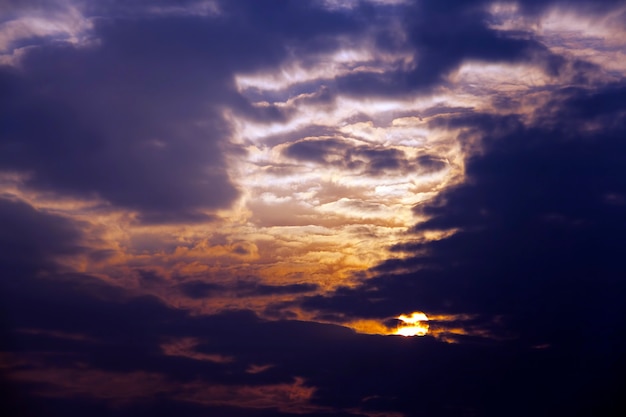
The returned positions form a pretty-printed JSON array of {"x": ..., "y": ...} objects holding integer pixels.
[
  {"x": 315, "y": 207},
  {"x": 415, "y": 324},
  {"x": 329, "y": 186},
  {"x": 302, "y": 76},
  {"x": 366, "y": 173},
  {"x": 506, "y": 78},
  {"x": 65, "y": 25},
  {"x": 596, "y": 38},
  {"x": 447, "y": 328}
]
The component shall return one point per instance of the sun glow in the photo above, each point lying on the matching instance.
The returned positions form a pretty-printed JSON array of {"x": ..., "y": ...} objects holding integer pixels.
[{"x": 415, "y": 324}]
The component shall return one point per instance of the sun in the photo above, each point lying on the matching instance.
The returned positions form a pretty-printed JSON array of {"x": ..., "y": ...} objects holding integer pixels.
[{"x": 415, "y": 324}]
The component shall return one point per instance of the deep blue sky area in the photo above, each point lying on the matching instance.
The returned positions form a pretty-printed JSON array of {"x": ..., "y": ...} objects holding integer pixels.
[{"x": 230, "y": 208}]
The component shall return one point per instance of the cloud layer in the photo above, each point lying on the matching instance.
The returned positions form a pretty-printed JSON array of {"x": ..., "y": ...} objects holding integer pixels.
[{"x": 224, "y": 207}]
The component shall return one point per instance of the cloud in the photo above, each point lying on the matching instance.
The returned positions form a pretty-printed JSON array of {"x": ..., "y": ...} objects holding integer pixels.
[
  {"x": 132, "y": 145},
  {"x": 438, "y": 49},
  {"x": 222, "y": 207},
  {"x": 146, "y": 135},
  {"x": 542, "y": 253},
  {"x": 32, "y": 241},
  {"x": 201, "y": 289},
  {"x": 316, "y": 151},
  {"x": 204, "y": 360},
  {"x": 358, "y": 159}
]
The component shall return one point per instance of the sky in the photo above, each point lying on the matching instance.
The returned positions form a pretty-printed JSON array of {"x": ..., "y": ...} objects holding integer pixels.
[{"x": 353, "y": 208}]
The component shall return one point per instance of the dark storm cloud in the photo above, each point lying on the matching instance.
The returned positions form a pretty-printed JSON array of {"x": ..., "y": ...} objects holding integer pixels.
[
  {"x": 30, "y": 240},
  {"x": 12, "y": 8},
  {"x": 148, "y": 278},
  {"x": 88, "y": 126},
  {"x": 135, "y": 118},
  {"x": 125, "y": 336},
  {"x": 349, "y": 371},
  {"x": 201, "y": 289},
  {"x": 366, "y": 159},
  {"x": 255, "y": 289},
  {"x": 314, "y": 150},
  {"x": 431, "y": 163},
  {"x": 380, "y": 159},
  {"x": 441, "y": 35}
]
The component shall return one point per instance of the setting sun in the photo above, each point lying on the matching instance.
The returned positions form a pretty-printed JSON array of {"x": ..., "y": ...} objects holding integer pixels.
[{"x": 415, "y": 324}]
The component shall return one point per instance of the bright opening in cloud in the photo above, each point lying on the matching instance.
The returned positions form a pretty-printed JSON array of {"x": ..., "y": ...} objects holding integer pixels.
[{"x": 415, "y": 324}]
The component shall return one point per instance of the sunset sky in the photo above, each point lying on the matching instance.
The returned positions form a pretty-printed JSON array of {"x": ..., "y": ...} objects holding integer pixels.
[{"x": 354, "y": 208}]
